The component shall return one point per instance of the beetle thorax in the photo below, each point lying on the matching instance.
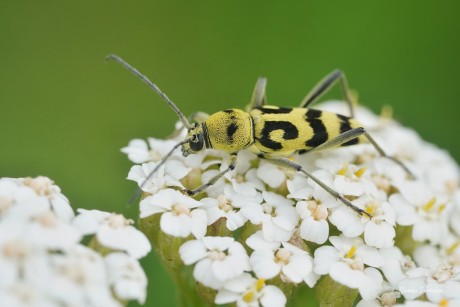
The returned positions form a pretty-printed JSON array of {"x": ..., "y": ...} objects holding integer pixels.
[{"x": 230, "y": 130}]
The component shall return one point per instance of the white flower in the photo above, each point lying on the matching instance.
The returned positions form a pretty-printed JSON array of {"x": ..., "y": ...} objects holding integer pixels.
[
  {"x": 314, "y": 226},
  {"x": 438, "y": 282},
  {"x": 243, "y": 180},
  {"x": 378, "y": 231},
  {"x": 23, "y": 294},
  {"x": 217, "y": 259},
  {"x": 442, "y": 175},
  {"x": 347, "y": 179},
  {"x": 180, "y": 215},
  {"x": 270, "y": 260},
  {"x": 345, "y": 261},
  {"x": 42, "y": 261},
  {"x": 271, "y": 174},
  {"x": 40, "y": 231},
  {"x": 396, "y": 265},
  {"x": 277, "y": 216},
  {"x": 77, "y": 278},
  {"x": 126, "y": 276},
  {"x": 447, "y": 252},
  {"x": 247, "y": 291},
  {"x": 417, "y": 205},
  {"x": 113, "y": 231},
  {"x": 228, "y": 206},
  {"x": 386, "y": 175},
  {"x": 167, "y": 175},
  {"x": 387, "y": 296},
  {"x": 402, "y": 143},
  {"x": 47, "y": 191},
  {"x": 138, "y": 151}
]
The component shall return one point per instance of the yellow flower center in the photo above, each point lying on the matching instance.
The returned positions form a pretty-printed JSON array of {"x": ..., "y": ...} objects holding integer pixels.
[
  {"x": 282, "y": 256},
  {"x": 343, "y": 170},
  {"x": 42, "y": 185},
  {"x": 429, "y": 205},
  {"x": 443, "y": 303},
  {"x": 451, "y": 249},
  {"x": 118, "y": 221},
  {"x": 250, "y": 295},
  {"x": 179, "y": 209},
  {"x": 360, "y": 172},
  {"x": 351, "y": 252}
]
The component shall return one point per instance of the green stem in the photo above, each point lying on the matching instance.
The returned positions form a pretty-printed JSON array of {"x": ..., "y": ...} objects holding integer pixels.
[{"x": 332, "y": 294}]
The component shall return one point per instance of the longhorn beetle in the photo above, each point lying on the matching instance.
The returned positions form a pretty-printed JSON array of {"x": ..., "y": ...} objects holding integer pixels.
[{"x": 272, "y": 132}]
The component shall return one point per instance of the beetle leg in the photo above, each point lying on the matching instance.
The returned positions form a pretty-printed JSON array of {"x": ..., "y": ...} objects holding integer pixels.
[
  {"x": 288, "y": 164},
  {"x": 259, "y": 97},
  {"x": 324, "y": 85},
  {"x": 214, "y": 179}
]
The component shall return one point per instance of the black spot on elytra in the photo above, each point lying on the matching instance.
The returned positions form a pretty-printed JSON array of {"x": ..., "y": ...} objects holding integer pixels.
[
  {"x": 275, "y": 110},
  {"x": 231, "y": 129},
  {"x": 290, "y": 133},
  {"x": 344, "y": 127},
  {"x": 231, "y": 113},
  {"x": 313, "y": 118}
]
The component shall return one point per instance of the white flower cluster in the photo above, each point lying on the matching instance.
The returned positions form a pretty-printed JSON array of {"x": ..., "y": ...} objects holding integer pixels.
[
  {"x": 290, "y": 230},
  {"x": 43, "y": 261}
]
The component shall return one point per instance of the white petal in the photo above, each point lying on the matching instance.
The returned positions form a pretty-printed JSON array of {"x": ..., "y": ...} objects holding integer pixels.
[
  {"x": 347, "y": 221},
  {"x": 199, "y": 221},
  {"x": 272, "y": 297},
  {"x": 253, "y": 213},
  {"x": 225, "y": 296},
  {"x": 241, "y": 283},
  {"x": 286, "y": 217},
  {"x": 412, "y": 288},
  {"x": 137, "y": 151},
  {"x": 314, "y": 231},
  {"x": 128, "y": 238},
  {"x": 235, "y": 220},
  {"x": 379, "y": 235},
  {"x": 218, "y": 243},
  {"x": 87, "y": 222},
  {"x": 228, "y": 268},
  {"x": 343, "y": 274},
  {"x": 62, "y": 208},
  {"x": 370, "y": 256},
  {"x": 298, "y": 268},
  {"x": 325, "y": 257},
  {"x": 257, "y": 242},
  {"x": 203, "y": 273},
  {"x": 175, "y": 225},
  {"x": 302, "y": 210},
  {"x": 372, "y": 284},
  {"x": 192, "y": 251},
  {"x": 273, "y": 232},
  {"x": 176, "y": 169},
  {"x": 264, "y": 265},
  {"x": 271, "y": 175},
  {"x": 346, "y": 187},
  {"x": 276, "y": 200}
]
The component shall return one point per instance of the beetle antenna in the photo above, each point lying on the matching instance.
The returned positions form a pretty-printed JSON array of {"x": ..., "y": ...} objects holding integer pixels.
[
  {"x": 152, "y": 85},
  {"x": 138, "y": 191}
]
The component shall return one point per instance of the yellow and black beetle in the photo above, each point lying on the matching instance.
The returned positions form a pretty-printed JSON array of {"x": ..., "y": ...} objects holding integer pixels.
[{"x": 272, "y": 132}]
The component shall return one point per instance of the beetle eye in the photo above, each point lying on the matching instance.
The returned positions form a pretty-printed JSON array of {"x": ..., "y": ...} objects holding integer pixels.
[{"x": 196, "y": 142}]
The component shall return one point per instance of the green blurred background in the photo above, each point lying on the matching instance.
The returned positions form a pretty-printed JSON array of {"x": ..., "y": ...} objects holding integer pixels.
[{"x": 65, "y": 112}]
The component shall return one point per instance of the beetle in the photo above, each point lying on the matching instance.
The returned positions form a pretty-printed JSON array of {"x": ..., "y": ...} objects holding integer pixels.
[{"x": 273, "y": 133}]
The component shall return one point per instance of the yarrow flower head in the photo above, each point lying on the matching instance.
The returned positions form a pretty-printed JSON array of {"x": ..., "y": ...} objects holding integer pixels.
[
  {"x": 43, "y": 260},
  {"x": 257, "y": 232}
]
